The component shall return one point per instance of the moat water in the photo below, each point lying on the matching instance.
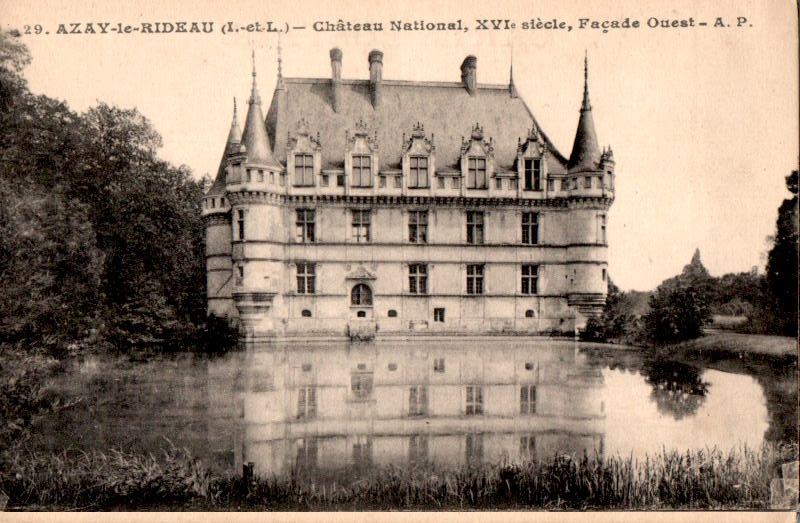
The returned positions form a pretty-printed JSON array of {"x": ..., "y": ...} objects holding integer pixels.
[{"x": 346, "y": 409}]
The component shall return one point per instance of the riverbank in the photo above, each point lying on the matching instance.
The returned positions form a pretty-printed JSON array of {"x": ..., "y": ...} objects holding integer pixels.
[
  {"x": 711, "y": 479},
  {"x": 715, "y": 344}
]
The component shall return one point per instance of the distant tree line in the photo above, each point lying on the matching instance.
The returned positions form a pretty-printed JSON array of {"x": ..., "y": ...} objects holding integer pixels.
[
  {"x": 679, "y": 308},
  {"x": 101, "y": 241}
]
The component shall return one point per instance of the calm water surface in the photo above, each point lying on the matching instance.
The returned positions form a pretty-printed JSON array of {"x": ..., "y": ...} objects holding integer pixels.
[{"x": 346, "y": 408}]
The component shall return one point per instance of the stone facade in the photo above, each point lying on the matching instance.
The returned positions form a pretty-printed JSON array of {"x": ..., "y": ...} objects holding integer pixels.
[{"x": 377, "y": 206}]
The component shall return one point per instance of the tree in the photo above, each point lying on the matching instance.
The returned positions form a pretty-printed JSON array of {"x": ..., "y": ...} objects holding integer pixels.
[
  {"x": 680, "y": 306},
  {"x": 96, "y": 229},
  {"x": 782, "y": 263}
]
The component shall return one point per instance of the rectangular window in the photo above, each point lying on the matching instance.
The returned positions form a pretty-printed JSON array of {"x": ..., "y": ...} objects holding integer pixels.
[
  {"x": 527, "y": 446},
  {"x": 361, "y": 384},
  {"x": 381, "y": 181},
  {"x": 441, "y": 182},
  {"x": 438, "y": 365},
  {"x": 456, "y": 183},
  {"x": 418, "y": 171},
  {"x": 530, "y": 279},
  {"x": 474, "y": 227},
  {"x": 603, "y": 229},
  {"x": 260, "y": 175},
  {"x": 438, "y": 314},
  {"x": 272, "y": 178},
  {"x": 305, "y": 225},
  {"x": 282, "y": 180},
  {"x": 306, "y": 402},
  {"x": 249, "y": 176},
  {"x": 417, "y": 401},
  {"x": 587, "y": 182},
  {"x": 362, "y": 171},
  {"x": 339, "y": 180},
  {"x": 239, "y": 274},
  {"x": 530, "y": 228},
  {"x": 303, "y": 170},
  {"x": 476, "y": 173},
  {"x": 240, "y": 215},
  {"x": 474, "y": 405},
  {"x": 417, "y": 448},
  {"x": 474, "y": 448},
  {"x": 362, "y": 451},
  {"x": 564, "y": 184},
  {"x": 418, "y": 226},
  {"x": 307, "y": 453},
  {"x": 324, "y": 180},
  {"x": 514, "y": 184},
  {"x": 398, "y": 181},
  {"x": 306, "y": 278},
  {"x": 527, "y": 399},
  {"x": 361, "y": 225},
  {"x": 418, "y": 278},
  {"x": 551, "y": 184},
  {"x": 533, "y": 174},
  {"x": 474, "y": 279}
]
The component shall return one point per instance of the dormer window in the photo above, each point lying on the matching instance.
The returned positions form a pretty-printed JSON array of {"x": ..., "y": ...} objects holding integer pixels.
[
  {"x": 418, "y": 171},
  {"x": 303, "y": 170},
  {"x": 476, "y": 173},
  {"x": 418, "y": 158},
  {"x": 533, "y": 174},
  {"x": 303, "y": 151},
  {"x": 361, "y": 175}
]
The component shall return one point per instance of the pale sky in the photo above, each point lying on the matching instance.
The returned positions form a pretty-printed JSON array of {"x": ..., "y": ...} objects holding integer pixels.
[{"x": 703, "y": 121}]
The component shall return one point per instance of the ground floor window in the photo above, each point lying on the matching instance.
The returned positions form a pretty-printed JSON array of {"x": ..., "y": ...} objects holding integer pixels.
[
  {"x": 474, "y": 400},
  {"x": 527, "y": 399},
  {"x": 438, "y": 314},
  {"x": 418, "y": 401},
  {"x": 361, "y": 296}
]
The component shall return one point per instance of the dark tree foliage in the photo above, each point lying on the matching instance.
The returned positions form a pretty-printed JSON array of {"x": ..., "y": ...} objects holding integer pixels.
[
  {"x": 782, "y": 264},
  {"x": 97, "y": 234},
  {"x": 680, "y": 306}
]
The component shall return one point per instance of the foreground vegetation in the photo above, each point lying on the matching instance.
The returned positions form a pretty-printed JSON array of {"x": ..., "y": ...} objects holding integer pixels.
[{"x": 705, "y": 479}]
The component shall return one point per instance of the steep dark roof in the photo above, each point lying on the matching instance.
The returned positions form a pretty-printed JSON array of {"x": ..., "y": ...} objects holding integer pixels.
[
  {"x": 254, "y": 136},
  {"x": 585, "y": 150},
  {"x": 445, "y": 109},
  {"x": 231, "y": 146}
]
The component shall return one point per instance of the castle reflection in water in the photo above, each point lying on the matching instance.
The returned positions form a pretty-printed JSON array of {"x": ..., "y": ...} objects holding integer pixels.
[{"x": 335, "y": 407}]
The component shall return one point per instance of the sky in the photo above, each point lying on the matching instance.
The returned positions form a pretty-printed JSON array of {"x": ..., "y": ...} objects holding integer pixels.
[{"x": 703, "y": 121}]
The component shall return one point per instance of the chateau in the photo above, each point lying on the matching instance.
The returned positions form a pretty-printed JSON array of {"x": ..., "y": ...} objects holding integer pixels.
[{"x": 358, "y": 207}]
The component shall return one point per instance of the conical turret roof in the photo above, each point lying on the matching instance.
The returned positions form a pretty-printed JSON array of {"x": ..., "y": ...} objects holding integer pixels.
[
  {"x": 585, "y": 150},
  {"x": 254, "y": 137},
  {"x": 231, "y": 146}
]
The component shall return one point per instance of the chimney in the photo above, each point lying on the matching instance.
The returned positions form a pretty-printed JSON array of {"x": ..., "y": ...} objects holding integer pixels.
[
  {"x": 375, "y": 76},
  {"x": 336, "y": 77},
  {"x": 469, "y": 71}
]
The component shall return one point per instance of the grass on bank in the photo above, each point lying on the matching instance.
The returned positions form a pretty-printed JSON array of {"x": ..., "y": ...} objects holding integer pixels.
[{"x": 705, "y": 479}]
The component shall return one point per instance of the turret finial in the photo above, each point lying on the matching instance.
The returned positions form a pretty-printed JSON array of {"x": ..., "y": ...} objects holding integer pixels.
[
  {"x": 279, "y": 84},
  {"x": 254, "y": 96},
  {"x": 280, "y": 61},
  {"x": 512, "y": 89},
  {"x": 586, "y": 106}
]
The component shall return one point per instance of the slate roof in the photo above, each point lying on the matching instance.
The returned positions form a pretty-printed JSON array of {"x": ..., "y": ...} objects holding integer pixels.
[
  {"x": 445, "y": 109},
  {"x": 585, "y": 150},
  {"x": 231, "y": 146}
]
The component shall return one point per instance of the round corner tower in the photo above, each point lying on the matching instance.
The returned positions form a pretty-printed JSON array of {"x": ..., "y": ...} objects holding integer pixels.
[{"x": 591, "y": 183}]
